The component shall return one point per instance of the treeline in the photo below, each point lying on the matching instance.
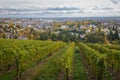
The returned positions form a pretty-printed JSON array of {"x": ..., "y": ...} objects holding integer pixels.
[{"x": 66, "y": 36}]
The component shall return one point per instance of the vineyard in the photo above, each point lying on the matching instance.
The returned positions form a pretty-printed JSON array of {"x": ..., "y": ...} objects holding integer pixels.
[{"x": 55, "y": 60}]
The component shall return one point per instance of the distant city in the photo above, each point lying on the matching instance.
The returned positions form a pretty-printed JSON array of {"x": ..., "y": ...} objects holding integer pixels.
[{"x": 81, "y": 28}]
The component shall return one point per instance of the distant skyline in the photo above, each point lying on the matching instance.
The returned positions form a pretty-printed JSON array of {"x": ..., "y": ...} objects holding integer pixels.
[{"x": 59, "y": 8}]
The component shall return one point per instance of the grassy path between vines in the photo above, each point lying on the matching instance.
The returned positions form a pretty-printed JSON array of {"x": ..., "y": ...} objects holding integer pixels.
[
  {"x": 61, "y": 76},
  {"x": 89, "y": 73},
  {"x": 79, "y": 70},
  {"x": 51, "y": 68},
  {"x": 30, "y": 73}
]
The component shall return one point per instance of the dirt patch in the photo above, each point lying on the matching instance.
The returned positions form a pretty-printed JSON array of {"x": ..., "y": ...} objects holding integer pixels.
[
  {"x": 8, "y": 69},
  {"x": 114, "y": 73},
  {"x": 61, "y": 76},
  {"x": 89, "y": 73}
]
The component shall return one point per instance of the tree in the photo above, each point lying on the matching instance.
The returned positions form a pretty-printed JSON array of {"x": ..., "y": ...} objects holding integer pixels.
[
  {"x": 44, "y": 36},
  {"x": 96, "y": 37}
]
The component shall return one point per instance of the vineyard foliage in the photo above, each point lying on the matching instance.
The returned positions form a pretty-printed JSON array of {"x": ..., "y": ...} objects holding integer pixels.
[
  {"x": 62, "y": 61},
  {"x": 67, "y": 60},
  {"x": 25, "y": 53},
  {"x": 117, "y": 47},
  {"x": 96, "y": 60},
  {"x": 112, "y": 55},
  {"x": 49, "y": 59}
]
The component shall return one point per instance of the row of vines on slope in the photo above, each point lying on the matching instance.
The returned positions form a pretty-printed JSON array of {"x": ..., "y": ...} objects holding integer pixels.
[
  {"x": 96, "y": 60},
  {"x": 113, "y": 55},
  {"x": 117, "y": 47},
  {"x": 67, "y": 61},
  {"x": 61, "y": 62},
  {"x": 25, "y": 53}
]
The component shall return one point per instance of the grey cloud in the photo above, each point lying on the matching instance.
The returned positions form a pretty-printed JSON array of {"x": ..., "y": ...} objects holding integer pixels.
[
  {"x": 115, "y": 1},
  {"x": 102, "y": 8},
  {"x": 62, "y": 8},
  {"x": 96, "y": 8},
  {"x": 107, "y": 8},
  {"x": 118, "y": 12}
]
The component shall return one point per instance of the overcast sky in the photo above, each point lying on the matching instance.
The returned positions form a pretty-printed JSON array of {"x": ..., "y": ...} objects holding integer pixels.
[{"x": 60, "y": 8}]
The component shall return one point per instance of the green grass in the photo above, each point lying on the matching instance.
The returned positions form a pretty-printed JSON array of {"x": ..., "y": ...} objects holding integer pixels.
[
  {"x": 8, "y": 76},
  {"x": 79, "y": 70},
  {"x": 108, "y": 76},
  {"x": 51, "y": 68}
]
